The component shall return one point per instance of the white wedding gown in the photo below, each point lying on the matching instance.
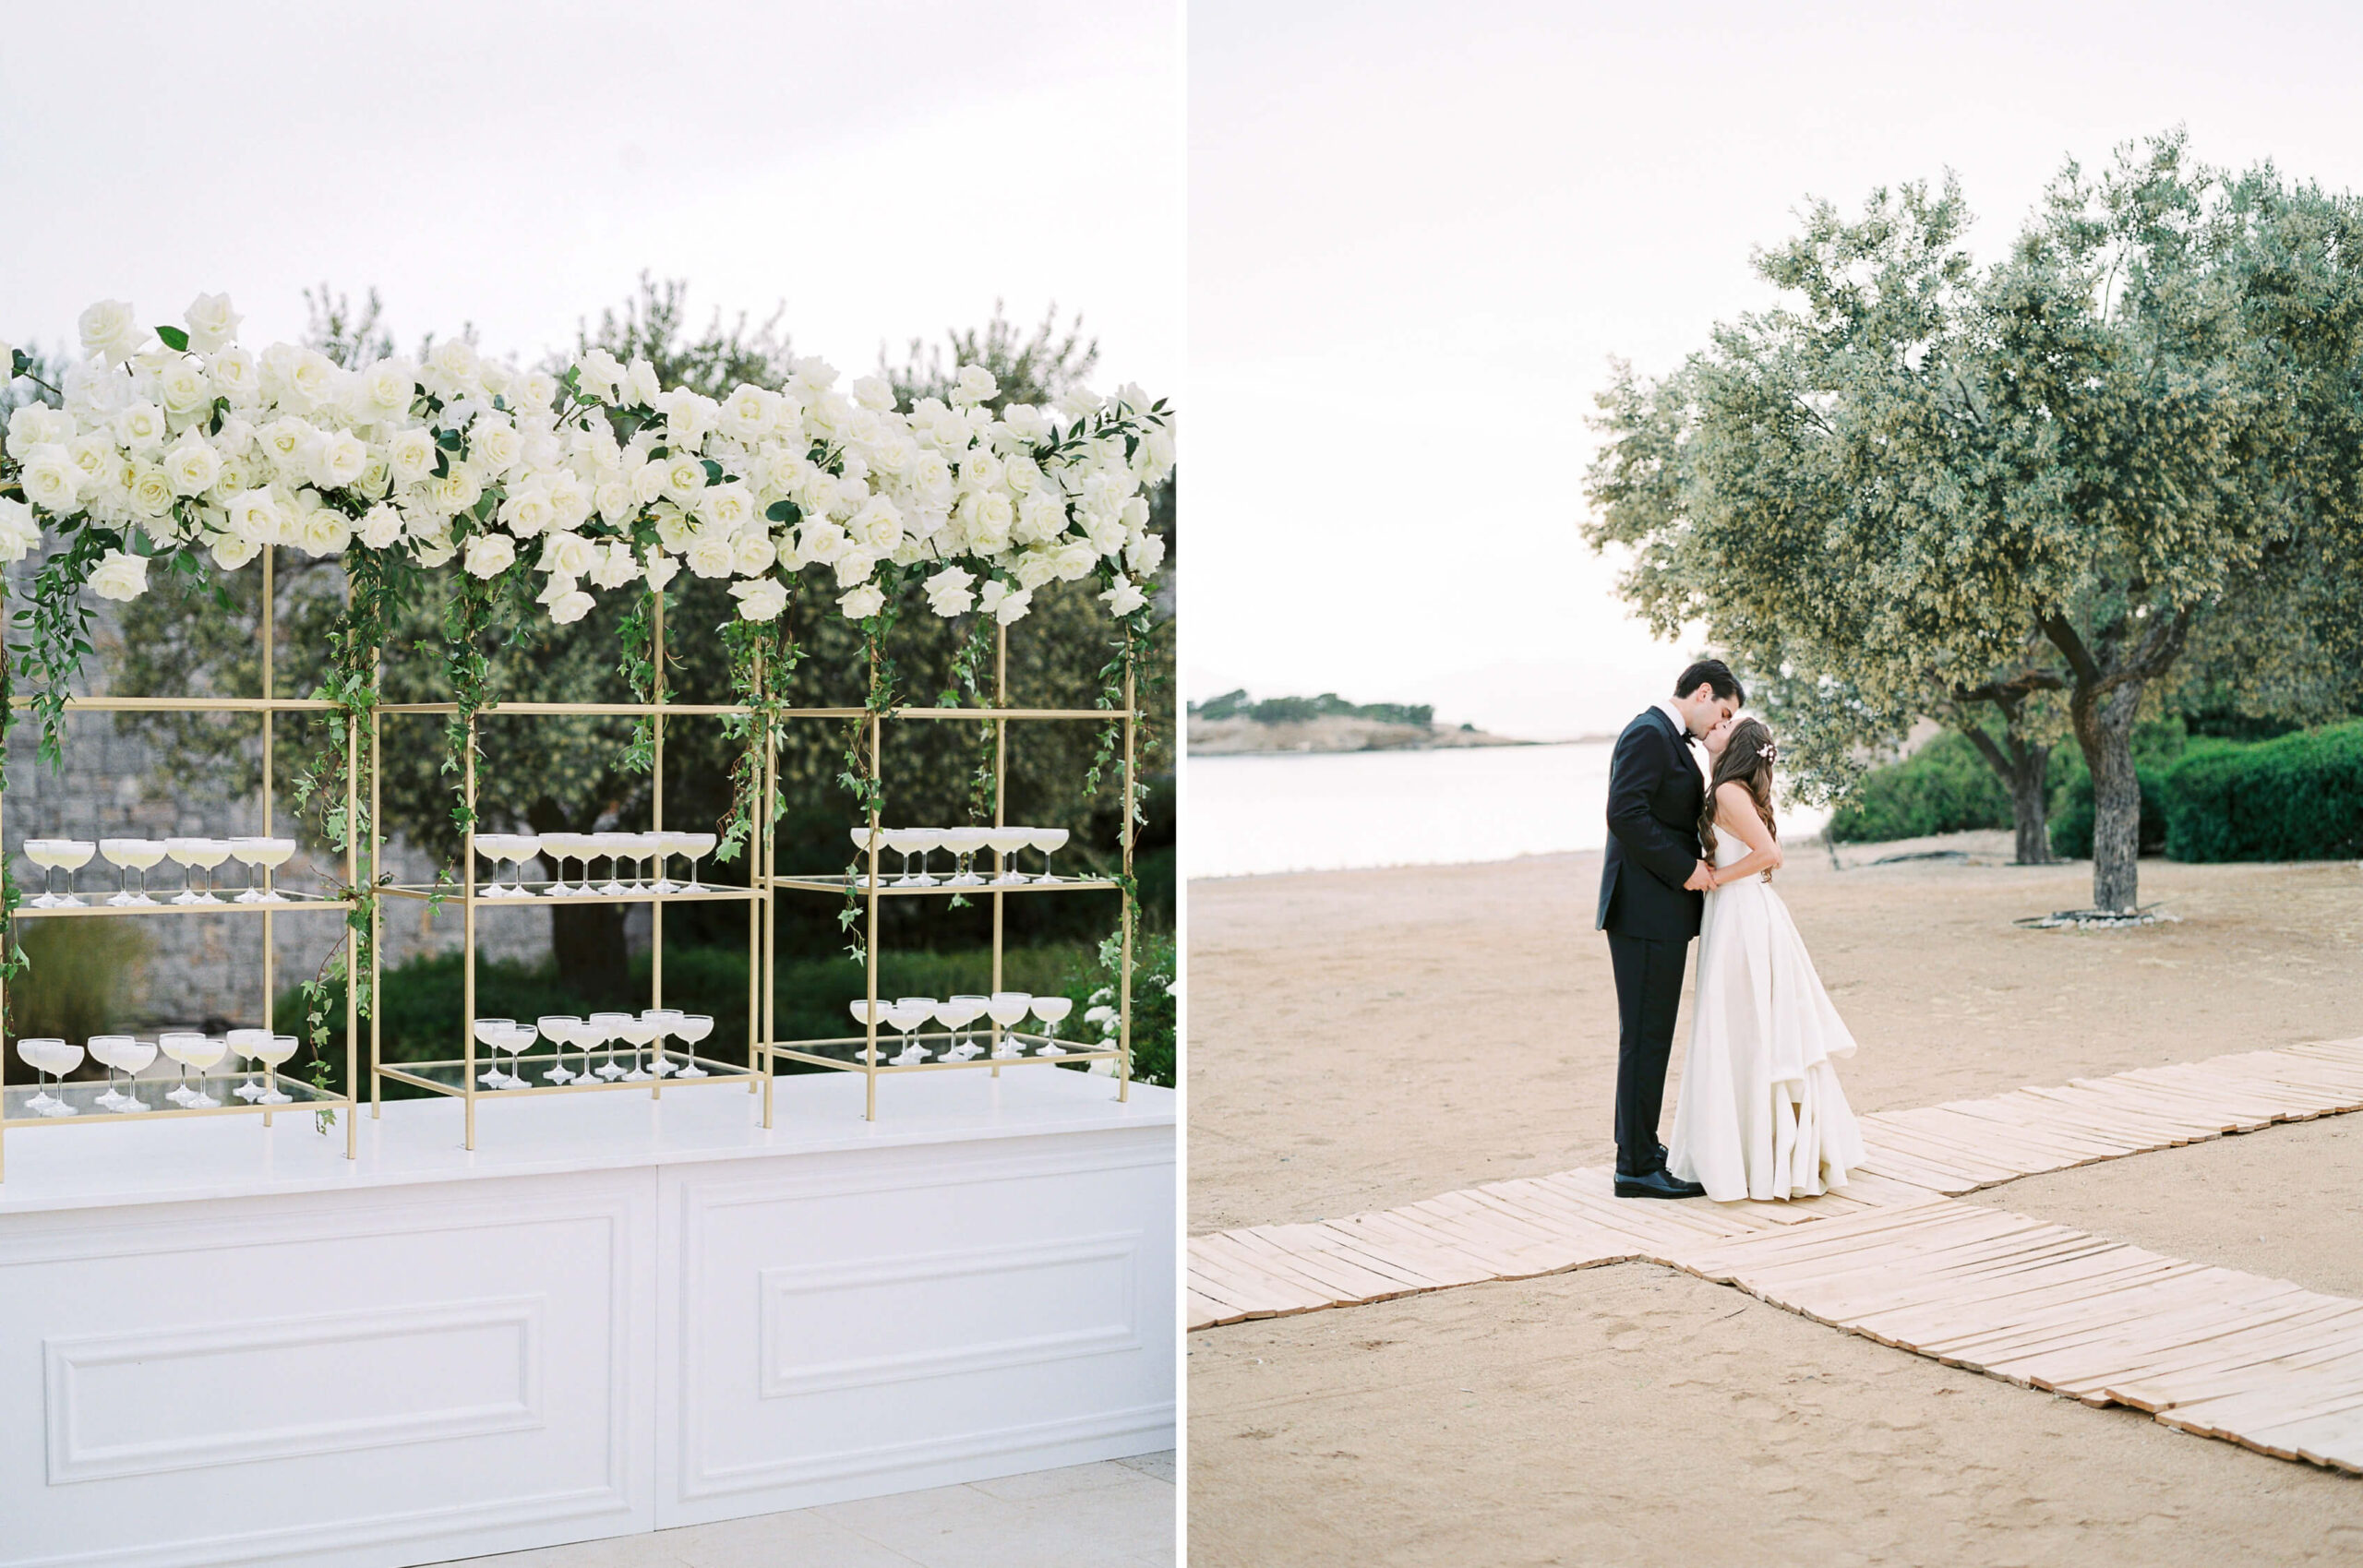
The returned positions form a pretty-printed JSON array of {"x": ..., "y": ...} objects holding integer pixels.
[{"x": 1761, "y": 1114}]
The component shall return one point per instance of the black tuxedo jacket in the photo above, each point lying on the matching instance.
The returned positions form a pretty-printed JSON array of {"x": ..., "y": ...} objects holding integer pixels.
[{"x": 1654, "y": 797}]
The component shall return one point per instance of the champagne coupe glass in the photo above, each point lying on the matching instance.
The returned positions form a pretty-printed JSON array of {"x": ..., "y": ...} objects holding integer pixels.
[
  {"x": 514, "y": 1040},
  {"x": 558, "y": 848},
  {"x": 560, "y": 1029},
  {"x": 132, "y": 1056},
  {"x": 247, "y": 1045},
  {"x": 103, "y": 1049},
  {"x": 487, "y": 1031},
  {"x": 697, "y": 847},
  {"x": 1008, "y": 1010},
  {"x": 203, "y": 1052},
  {"x": 522, "y": 848},
  {"x": 1052, "y": 1010},
  {"x": 663, "y": 849},
  {"x": 174, "y": 1044},
  {"x": 647, "y": 858},
  {"x": 866, "y": 1012},
  {"x": 65, "y": 855},
  {"x": 64, "y": 1057},
  {"x": 638, "y": 1032},
  {"x": 863, "y": 856},
  {"x": 689, "y": 1028},
  {"x": 270, "y": 854},
  {"x": 127, "y": 855},
  {"x": 664, "y": 1020},
  {"x": 927, "y": 840},
  {"x": 956, "y": 1013},
  {"x": 1048, "y": 841},
  {"x": 249, "y": 852},
  {"x": 608, "y": 1025},
  {"x": 964, "y": 843},
  {"x": 1006, "y": 843},
  {"x": 196, "y": 854},
  {"x": 907, "y": 1015},
  {"x": 901, "y": 840},
  {"x": 275, "y": 1052},
  {"x": 489, "y": 848},
  {"x": 612, "y": 847},
  {"x": 36, "y": 1054}
]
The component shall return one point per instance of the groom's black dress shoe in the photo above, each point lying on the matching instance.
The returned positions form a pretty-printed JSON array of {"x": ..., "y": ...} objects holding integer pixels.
[{"x": 1658, "y": 1183}]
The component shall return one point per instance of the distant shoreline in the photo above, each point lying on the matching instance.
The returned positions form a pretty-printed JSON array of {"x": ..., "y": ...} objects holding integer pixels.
[{"x": 1335, "y": 734}]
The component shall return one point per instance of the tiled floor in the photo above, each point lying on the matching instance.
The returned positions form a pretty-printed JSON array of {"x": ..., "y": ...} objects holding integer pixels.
[{"x": 1117, "y": 1513}]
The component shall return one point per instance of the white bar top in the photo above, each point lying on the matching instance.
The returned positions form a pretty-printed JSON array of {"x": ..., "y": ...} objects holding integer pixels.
[{"x": 203, "y": 1158}]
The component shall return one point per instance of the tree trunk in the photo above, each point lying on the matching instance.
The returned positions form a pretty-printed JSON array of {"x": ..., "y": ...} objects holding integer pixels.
[
  {"x": 2104, "y": 730},
  {"x": 2030, "y": 805}
]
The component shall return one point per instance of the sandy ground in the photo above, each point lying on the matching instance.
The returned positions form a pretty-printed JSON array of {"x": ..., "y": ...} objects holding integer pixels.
[
  {"x": 1361, "y": 1039},
  {"x": 1364, "y": 1038}
]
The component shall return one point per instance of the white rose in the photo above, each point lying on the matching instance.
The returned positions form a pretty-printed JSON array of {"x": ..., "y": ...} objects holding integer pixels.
[
  {"x": 1075, "y": 561},
  {"x": 412, "y": 454},
  {"x": 688, "y": 416},
  {"x": 110, "y": 332},
  {"x": 948, "y": 593},
  {"x": 1124, "y": 598},
  {"x": 1004, "y": 603},
  {"x": 728, "y": 508},
  {"x": 878, "y": 526},
  {"x": 117, "y": 576},
  {"x": 660, "y": 570},
  {"x": 684, "y": 476},
  {"x": 235, "y": 376},
  {"x": 182, "y": 388},
  {"x": 490, "y": 555},
  {"x": 454, "y": 359},
  {"x": 853, "y": 567},
  {"x": 674, "y": 529},
  {"x": 570, "y": 498},
  {"x": 567, "y": 602},
  {"x": 381, "y": 525},
  {"x": 641, "y": 384},
  {"x": 232, "y": 551},
  {"x": 140, "y": 428},
  {"x": 37, "y": 425},
  {"x": 386, "y": 388},
  {"x": 51, "y": 479},
  {"x": 566, "y": 554},
  {"x": 874, "y": 393},
  {"x": 337, "y": 460},
  {"x": 746, "y": 413},
  {"x": 989, "y": 516},
  {"x": 212, "y": 322},
  {"x": 862, "y": 603},
  {"x": 1035, "y": 568},
  {"x": 821, "y": 542},
  {"x": 710, "y": 556},
  {"x": 759, "y": 599},
  {"x": 18, "y": 531},
  {"x": 601, "y": 375},
  {"x": 253, "y": 516},
  {"x": 1041, "y": 516},
  {"x": 527, "y": 511},
  {"x": 313, "y": 379},
  {"x": 753, "y": 553},
  {"x": 976, "y": 385},
  {"x": 1105, "y": 534},
  {"x": 7, "y": 362},
  {"x": 457, "y": 491},
  {"x": 323, "y": 532},
  {"x": 615, "y": 500},
  {"x": 493, "y": 445},
  {"x": 192, "y": 466},
  {"x": 615, "y": 565},
  {"x": 537, "y": 390}
]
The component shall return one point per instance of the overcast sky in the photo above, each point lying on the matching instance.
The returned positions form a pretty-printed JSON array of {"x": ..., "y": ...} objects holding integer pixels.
[
  {"x": 1418, "y": 232},
  {"x": 885, "y": 170}
]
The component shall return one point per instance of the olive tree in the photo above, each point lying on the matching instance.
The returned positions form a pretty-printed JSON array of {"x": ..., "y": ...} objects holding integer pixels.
[{"x": 2021, "y": 493}]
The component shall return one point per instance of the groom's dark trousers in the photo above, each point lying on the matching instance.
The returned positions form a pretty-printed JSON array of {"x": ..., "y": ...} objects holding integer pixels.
[{"x": 1654, "y": 796}]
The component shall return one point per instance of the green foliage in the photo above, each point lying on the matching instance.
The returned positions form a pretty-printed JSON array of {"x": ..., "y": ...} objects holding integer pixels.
[
  {"x": 1944, "y": 787},
  {"x": 1296, "y": 709},
  {"x": 1156, "y": 1005},
  {"x": 76, "y": 977},
  {"x": 2300, "y": 798}
]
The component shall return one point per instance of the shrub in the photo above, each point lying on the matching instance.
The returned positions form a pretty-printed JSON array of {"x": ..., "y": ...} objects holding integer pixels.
[
  {"x": 1944, "y": 787},
  {"x": 2300, "y": 798},
  {"x": 75, "y": 978}
]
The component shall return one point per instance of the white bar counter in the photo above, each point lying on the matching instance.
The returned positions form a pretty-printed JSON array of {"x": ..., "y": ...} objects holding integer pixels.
[{"x": 221, "y": 1343}]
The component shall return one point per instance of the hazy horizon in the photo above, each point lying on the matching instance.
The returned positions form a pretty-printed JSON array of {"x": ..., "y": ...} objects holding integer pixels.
[{"x": 1418, "y": 238}]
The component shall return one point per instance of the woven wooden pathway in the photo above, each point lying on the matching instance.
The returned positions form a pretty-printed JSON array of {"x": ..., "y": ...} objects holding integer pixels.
[{"x": 2209, "y": 1350}]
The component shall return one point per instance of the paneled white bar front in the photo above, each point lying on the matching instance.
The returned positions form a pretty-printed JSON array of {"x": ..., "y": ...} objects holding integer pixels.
[{"x": 227, "y": 1344}]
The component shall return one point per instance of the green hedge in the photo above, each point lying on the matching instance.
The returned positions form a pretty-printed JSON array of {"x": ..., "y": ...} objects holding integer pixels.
[
  {"x": 1944, "y": 787},
  {"x": 2300, "y": 798}
]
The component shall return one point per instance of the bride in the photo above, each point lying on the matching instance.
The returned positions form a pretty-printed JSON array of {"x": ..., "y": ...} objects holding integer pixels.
[{"x": 1761, "y": 1114}]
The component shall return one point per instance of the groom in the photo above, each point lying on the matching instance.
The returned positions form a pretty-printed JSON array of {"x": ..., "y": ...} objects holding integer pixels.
[{"x": 1652, "y": 888}]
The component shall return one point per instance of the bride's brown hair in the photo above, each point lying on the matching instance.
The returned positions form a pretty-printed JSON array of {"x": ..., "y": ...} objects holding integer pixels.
[{"x": 1747, "y": 759}]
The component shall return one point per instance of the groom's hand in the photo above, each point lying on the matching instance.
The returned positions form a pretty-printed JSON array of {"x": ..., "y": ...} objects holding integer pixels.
[{"x": 1702, "y": 879}]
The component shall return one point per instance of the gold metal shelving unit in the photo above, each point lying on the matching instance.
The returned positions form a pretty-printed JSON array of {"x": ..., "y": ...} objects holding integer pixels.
[
  {"x": 302, "y": 1096},
  {"x": 858, "y": 1053}
]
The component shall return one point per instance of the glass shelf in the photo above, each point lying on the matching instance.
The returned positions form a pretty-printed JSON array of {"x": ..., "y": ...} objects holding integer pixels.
[
  {"x": 537, "y": 895},
  {"x": 221, "y": 1084},
  {"x": 450, "y": 1077},
  {"x": 847, "y": 1051},
  {"x": 838, "y": 882},
  {"x": 283, "y": 905}
]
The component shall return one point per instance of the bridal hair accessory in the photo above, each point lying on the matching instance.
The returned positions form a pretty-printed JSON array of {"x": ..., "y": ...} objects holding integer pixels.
[{"x": 1771, "y": 752}]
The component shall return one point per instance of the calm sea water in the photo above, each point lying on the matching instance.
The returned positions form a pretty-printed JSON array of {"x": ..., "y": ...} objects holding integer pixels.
[{"x": 1321, "y": 812}]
